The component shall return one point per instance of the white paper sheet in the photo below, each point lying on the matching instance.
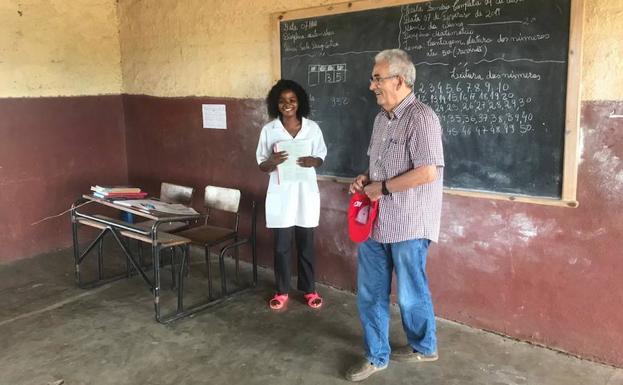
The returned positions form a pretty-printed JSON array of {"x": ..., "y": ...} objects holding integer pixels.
[
  {"x": 214, "y": 116},
  {"x": 289, "y": 171}
]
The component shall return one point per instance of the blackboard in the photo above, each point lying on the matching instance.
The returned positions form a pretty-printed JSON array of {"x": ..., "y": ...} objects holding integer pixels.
[{"x": 495, "y": 71}]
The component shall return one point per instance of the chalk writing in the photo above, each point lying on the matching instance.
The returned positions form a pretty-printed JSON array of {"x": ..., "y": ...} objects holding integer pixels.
[
  {"x": 480, "y": 106},
  {"x": 471, "y": 101},
  {"x": 326, "y": 74},
  {"x": 307, "y": 36}
]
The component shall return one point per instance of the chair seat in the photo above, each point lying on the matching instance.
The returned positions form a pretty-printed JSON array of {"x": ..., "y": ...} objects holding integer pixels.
[
  {"x": 167, "y": 227},
  {"x": 208, "y": 235}
]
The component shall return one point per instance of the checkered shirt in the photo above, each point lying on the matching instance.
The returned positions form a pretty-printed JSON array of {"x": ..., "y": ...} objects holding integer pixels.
[{"x": 402, "y": 140}]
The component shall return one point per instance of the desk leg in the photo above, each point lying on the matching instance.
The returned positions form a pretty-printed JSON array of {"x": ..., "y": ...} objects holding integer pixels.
[
  {"x": 74, "y": 235},
  {"x": 155, "y": 251},
  {"x": 128, "y": 264},
  {"x": 173, "y": 254},
  {"x": 100, "y": 258},
  {"x": 180, "y": 281}
]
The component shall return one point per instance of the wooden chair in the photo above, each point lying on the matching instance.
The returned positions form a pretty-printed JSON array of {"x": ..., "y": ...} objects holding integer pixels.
[
  {"x": 209, "y": 235},
  {"x": 171, "y": 193}
]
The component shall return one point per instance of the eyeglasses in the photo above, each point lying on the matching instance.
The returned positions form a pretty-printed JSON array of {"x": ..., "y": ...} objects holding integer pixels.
[{"x": 378, "y": 80}]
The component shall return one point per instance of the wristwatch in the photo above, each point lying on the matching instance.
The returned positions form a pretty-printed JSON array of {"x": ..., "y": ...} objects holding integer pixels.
[{"x": 384, "y": 189}]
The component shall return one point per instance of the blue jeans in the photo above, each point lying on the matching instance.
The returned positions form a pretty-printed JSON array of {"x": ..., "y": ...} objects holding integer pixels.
[{"x": 374, "y": 282}]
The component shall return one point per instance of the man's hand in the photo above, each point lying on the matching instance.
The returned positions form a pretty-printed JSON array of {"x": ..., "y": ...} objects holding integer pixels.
[
  {"x": 309, "y": 161},
  {"x": 357, "y": 185},
  {"x": 374, "y": 190}
]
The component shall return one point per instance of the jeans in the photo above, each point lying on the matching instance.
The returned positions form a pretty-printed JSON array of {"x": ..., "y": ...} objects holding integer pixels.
[{"x": 374, "y": 282}]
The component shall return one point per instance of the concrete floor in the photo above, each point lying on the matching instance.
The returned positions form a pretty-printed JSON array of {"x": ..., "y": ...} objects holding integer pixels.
[{"x": 52, "y": 331}]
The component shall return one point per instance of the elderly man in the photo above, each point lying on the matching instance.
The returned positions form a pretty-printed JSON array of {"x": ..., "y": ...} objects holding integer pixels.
[{"x": 406, "y": 175}]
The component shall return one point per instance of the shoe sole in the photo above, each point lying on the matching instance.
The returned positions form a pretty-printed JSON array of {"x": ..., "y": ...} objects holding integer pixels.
[
  {"x": 413, "y": 359},
  {"x": 360, "y": 377}
]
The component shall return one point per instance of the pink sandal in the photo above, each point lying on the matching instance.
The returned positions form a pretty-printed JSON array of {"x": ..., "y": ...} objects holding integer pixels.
[
  {"x": 313, "y": 300},
  {"x": 278, "y": 301}
]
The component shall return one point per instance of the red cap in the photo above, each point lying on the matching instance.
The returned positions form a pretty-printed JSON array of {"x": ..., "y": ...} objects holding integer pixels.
[{"x": 361, "y": 215}]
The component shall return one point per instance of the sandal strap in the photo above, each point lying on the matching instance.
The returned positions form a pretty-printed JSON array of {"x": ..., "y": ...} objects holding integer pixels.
[
  {"x": 313, "y": 295},
  {"x": 311, "y": 298},
  {"x": 280, "y": 297},
  {"x": 278, "y": 301}
]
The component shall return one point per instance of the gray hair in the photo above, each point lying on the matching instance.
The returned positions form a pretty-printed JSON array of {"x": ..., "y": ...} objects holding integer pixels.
[{"x": 399, "y": 64}]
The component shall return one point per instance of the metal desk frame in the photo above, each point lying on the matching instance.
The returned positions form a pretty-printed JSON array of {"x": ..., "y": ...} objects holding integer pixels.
[
  {"x": 119, "y": 231},
  {"x": 122, "y": 230}
]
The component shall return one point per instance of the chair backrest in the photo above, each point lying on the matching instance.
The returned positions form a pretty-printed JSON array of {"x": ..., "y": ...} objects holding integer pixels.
[
  {"x": 222, "y": 198},
  {"x": 173, "y": 193}
]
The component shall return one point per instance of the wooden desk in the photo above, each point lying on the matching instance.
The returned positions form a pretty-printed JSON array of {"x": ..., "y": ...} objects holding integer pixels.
[{"x": 121, "y": 231}]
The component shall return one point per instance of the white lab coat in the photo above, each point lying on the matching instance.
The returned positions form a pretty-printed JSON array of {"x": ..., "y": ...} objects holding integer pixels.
[{"x": 292, "y": 203}]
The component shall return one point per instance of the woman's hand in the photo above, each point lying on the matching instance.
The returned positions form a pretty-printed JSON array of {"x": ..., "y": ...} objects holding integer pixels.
[
  {"x": 276, "y": 158},
  {"x": 309, "y": 161}
]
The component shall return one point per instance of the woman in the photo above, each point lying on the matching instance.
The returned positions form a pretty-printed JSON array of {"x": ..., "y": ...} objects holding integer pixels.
[{"x": 292, "y": 207}]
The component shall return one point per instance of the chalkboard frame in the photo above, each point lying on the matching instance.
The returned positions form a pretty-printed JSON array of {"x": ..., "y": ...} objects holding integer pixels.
[{"x": 572, "y": 116}]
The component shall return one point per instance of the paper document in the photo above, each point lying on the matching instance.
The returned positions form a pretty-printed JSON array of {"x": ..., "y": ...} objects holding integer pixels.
[
  {"x": 214, "y": 116},
  {"x": 289, "y": 171},
  {"x": 154, "y": 205}
]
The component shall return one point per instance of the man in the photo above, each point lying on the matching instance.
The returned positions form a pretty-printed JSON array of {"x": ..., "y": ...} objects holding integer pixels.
[{"x": 406, "y": 176}]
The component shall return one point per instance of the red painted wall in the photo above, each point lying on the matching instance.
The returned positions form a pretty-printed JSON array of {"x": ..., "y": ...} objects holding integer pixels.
[
  {"x": 545, "y": 274},
  {"x": 51, "y": 151}
]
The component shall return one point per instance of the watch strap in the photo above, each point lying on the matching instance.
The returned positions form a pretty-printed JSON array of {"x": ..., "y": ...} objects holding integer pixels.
[{"x": 384, "y": 189}]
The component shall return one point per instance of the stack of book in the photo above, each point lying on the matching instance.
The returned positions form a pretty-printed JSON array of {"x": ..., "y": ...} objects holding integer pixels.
[{"x": 118, "y": 192}]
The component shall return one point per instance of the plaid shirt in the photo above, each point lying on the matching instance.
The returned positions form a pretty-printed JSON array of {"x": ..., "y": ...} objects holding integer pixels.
[{"x": 402, "y": 140}]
